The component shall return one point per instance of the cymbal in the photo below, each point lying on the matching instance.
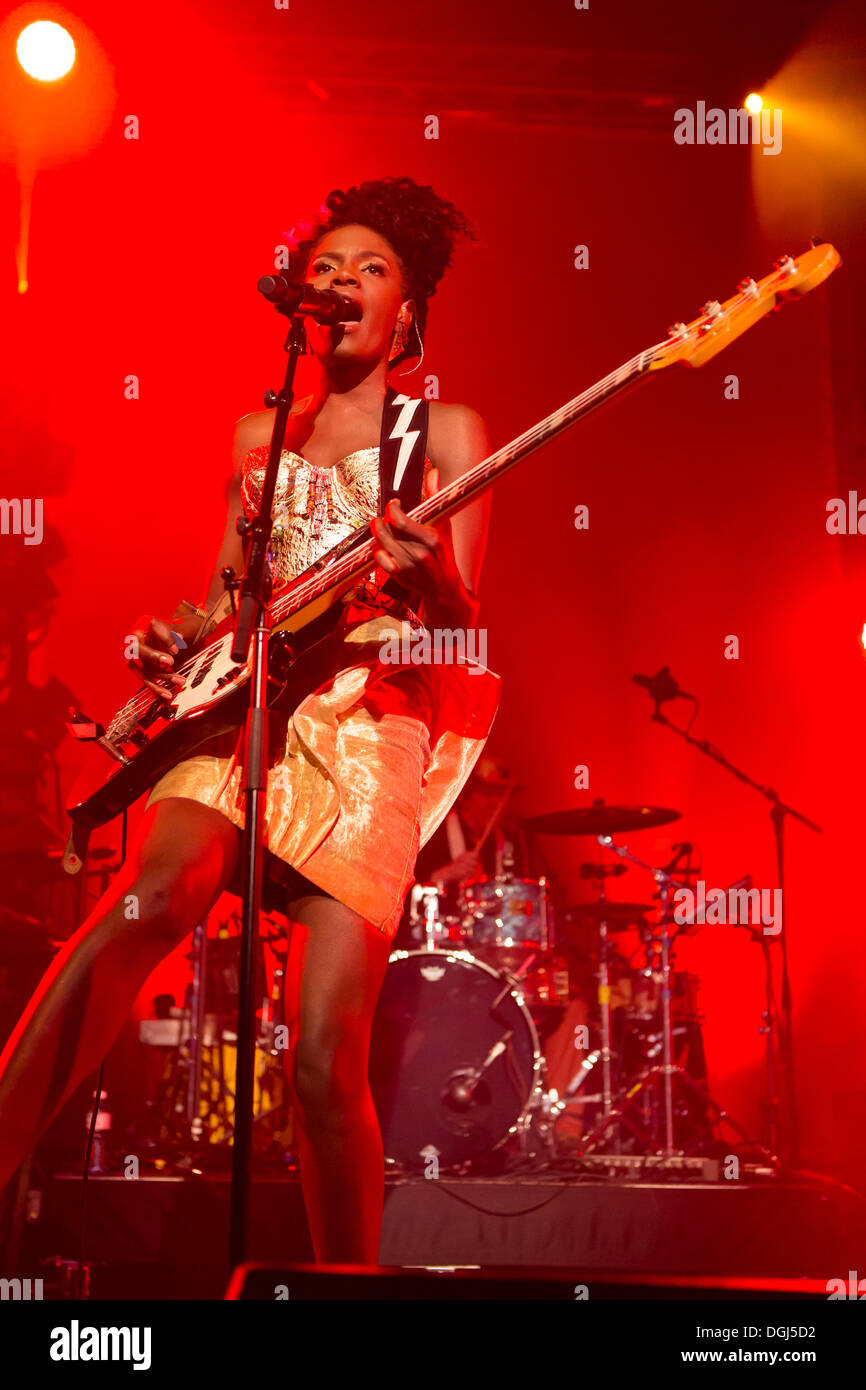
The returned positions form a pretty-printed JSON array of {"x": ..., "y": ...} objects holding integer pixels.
[{"x": 600, "y": 819}]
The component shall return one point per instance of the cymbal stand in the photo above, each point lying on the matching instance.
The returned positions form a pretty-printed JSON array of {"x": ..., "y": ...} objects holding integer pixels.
[
  {"x": 604, "y": 944},
  {"x": 196, "y": 1005},
  {"x": 425, "y": 909},
  {"x": 779, "y": 813},
  {"x": 662, "y": 1077}
]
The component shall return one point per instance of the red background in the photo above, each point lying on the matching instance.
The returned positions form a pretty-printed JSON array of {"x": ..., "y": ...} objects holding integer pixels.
[{"x": 707, "y": 515}]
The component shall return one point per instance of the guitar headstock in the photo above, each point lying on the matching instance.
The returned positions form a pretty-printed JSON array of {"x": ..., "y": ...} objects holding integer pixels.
[{"x": 719, "y": 324}]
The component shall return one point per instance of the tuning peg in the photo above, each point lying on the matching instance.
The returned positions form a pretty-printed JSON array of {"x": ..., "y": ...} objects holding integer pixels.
[
  {"x": 713, "y": 311},
  {"x": 748, "y": 287},
  {"x": 677, "y": 330},
  {"x": 786, "y": 264}
]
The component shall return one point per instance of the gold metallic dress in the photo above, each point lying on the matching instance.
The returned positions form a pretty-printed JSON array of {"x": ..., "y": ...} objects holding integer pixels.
[{"x": 363, "y": 771}]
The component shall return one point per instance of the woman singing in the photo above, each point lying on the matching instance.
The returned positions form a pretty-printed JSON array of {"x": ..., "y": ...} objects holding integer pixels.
[{"x": 362, "y": 769}]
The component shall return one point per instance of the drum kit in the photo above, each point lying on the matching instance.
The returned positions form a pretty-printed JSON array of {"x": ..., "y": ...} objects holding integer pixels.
[
  {"x": 469, "y": 1024},
  {"x": 509, "y": 1037}
]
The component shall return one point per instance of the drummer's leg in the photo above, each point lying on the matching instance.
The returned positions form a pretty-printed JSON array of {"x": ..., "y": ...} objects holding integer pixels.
[{"x": 335, "y": 970}]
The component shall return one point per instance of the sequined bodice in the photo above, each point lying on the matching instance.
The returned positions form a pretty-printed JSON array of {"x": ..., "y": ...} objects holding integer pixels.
[{"x": 314, "y": 508}]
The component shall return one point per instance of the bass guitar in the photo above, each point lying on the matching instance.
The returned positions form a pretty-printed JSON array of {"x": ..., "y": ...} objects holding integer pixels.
[{"x": 147, "y": 735}]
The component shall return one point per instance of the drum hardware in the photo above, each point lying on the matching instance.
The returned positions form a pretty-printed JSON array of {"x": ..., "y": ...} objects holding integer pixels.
[
  {"x": 607, "y": 917},
  {"x": 659, "y": 1079},
  {"x": 583, "y": 1073},
  {"x": 425, "y": 912},
  {"x": 196, "y": 1005},
  {"x": 192, "y": 1114},
  {"x": 777, "y": 1017}
]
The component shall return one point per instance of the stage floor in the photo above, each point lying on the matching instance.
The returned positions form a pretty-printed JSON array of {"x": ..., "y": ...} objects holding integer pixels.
[{"x": 167, "y": 1237}]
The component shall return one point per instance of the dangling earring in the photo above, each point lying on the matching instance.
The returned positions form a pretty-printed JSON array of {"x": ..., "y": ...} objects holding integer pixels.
[{"x": 398, "y": 342}]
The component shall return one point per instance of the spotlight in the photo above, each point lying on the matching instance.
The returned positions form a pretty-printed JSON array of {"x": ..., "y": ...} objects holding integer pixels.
[
  {"x": 45, "y": 50},
  {"x": 753, "y": 103}
]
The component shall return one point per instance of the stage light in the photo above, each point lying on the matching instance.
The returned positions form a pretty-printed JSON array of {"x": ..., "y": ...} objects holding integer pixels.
[
  {"x": 45, "y": 50},
  {"x": 753, "y": 103},
  {"x": 863, "y": 637}
]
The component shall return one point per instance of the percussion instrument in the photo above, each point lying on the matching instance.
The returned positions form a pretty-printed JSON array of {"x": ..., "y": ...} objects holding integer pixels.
[
  {"x": 504, "y": 918},
  {"x": 600, "y": 819},
  {"x": 455, "y": 1062}
]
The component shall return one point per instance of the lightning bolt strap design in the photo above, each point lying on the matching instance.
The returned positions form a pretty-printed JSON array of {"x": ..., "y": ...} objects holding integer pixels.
[{"x": 406, "y": 436}]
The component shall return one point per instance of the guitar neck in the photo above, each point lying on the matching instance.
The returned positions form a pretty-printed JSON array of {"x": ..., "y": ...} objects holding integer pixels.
[{"x": 342, "y": 571}]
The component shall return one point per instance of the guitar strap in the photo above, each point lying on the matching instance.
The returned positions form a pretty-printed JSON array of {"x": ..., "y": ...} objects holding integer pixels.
[{"x": 402, "y": 450}]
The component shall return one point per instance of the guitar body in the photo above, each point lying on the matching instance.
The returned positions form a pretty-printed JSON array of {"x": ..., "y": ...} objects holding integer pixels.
[{"x": 152, "y": 735}]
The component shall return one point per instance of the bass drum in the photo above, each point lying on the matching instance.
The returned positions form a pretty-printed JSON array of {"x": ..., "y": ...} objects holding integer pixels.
[{"x": 442, "y": 1016}]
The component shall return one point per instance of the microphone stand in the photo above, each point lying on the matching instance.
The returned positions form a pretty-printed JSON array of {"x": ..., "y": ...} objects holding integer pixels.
[
  {"x": 778, "y": 811},
  {"x": 253, "y": 624}
]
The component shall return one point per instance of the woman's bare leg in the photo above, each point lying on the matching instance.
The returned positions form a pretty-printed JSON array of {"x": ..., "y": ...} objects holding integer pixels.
[
  {"x": 182, "y": 859},
  {"x": 336, "y": 966}
]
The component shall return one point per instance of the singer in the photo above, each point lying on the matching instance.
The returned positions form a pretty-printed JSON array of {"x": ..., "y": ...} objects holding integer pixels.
[{"x": 362, "y": 771}]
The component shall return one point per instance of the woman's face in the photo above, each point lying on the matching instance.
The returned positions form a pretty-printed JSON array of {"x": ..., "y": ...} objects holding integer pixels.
[{"x": 361, "y": 264}]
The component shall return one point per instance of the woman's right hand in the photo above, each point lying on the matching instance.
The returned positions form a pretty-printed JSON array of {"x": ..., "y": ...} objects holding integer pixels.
[{"x": 150, "y": 652}]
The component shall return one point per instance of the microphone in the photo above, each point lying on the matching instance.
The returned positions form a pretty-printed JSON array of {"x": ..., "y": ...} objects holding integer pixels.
[
  {"x": 325, "y": 306},
  {"x": 662, "y": 686}
]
